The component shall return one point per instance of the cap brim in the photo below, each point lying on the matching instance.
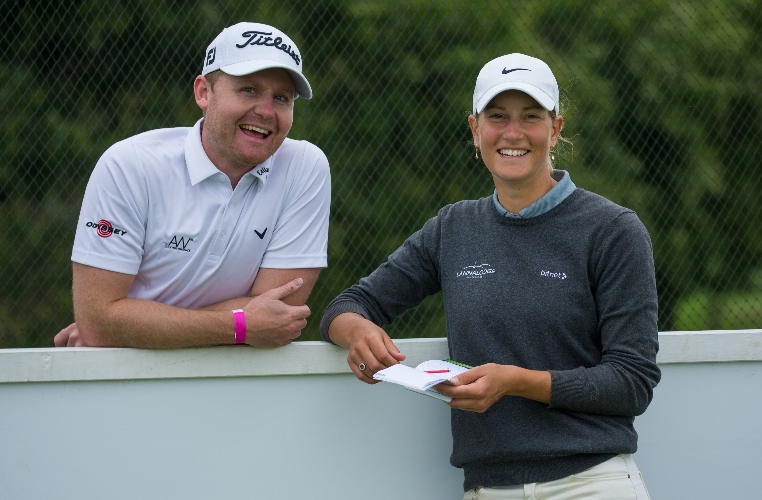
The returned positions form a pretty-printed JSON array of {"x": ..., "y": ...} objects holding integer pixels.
[
  {"x": 538, "y": 95},
  {"x": 303, "y": 88}
]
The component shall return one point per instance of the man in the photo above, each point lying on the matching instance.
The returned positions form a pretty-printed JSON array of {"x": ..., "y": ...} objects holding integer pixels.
[{"x": 213, "y": 234}]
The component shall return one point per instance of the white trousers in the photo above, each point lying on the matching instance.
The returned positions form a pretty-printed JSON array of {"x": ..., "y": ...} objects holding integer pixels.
[{"x": 614, "y": 479}]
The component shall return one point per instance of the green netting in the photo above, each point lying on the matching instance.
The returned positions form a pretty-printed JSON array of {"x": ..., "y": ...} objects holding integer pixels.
[{"x": 660, "y": 98}]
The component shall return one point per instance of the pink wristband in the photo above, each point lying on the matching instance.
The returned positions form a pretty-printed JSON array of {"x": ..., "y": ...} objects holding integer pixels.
[{"x": 240, "y": 326}]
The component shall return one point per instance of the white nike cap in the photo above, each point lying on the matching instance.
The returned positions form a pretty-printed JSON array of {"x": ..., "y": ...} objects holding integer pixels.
[
  {"x": 516, "y": 72},
  {"x": 246, "y": 48}
]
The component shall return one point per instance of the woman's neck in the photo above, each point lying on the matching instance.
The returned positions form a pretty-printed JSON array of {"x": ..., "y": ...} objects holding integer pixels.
[{"x": 515, "y": 197}]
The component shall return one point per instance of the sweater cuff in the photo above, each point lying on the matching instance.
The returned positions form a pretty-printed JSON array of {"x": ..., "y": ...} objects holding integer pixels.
[
  {"x": 334, "y": 309},
  {"x": 566, "y": 387}
]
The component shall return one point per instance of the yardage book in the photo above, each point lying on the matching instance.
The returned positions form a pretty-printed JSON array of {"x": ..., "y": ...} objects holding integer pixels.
[{"x": 423, "y": 377}]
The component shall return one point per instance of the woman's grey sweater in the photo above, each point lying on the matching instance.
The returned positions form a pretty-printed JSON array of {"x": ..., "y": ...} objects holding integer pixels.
[{"x": 571, "y": 291}]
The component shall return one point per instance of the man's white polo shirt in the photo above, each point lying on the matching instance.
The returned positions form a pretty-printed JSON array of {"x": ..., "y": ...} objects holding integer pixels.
[{"x": 157, "y": 207}]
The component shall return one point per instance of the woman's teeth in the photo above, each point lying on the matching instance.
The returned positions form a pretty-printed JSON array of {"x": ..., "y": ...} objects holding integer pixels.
[{"x": 513, "y": 152}]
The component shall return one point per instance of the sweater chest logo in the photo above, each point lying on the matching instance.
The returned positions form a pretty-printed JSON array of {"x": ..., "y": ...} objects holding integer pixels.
[
  {"x": 550, "y": 274},
  {"x": 477, "y": 271}
]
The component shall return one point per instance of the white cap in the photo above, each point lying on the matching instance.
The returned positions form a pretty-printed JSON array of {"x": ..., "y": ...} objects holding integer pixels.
[
  {"x": 246, "y": 48},
  {"x": 516, "y": 72}
]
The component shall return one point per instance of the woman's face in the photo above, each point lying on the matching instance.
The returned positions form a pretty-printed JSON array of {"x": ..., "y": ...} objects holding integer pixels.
[{"x": 515, "y": 134}]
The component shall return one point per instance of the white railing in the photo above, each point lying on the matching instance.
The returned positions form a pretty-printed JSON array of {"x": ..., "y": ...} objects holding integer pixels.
[{"x": 237, "y": 422}]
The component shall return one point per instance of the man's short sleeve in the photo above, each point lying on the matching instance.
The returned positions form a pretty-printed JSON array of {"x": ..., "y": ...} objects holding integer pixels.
[
  {"x": 300, "y": 239},
  {"x": 111, "y": 227}
]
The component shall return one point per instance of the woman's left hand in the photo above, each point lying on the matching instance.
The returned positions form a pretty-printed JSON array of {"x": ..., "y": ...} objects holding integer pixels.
[{"x": 480, "y": 387}]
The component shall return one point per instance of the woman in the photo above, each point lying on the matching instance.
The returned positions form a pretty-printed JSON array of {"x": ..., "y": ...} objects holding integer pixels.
[{"x": 549, "y": 292}]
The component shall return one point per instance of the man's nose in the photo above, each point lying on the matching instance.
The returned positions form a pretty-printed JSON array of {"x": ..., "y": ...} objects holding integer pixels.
[{"x": 265, "y": 106}]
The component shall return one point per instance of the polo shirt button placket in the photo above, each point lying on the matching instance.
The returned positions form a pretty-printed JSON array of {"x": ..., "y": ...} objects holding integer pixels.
[
  {"x": 221, "y": 242},
  {"x": 231, "y": 214}
]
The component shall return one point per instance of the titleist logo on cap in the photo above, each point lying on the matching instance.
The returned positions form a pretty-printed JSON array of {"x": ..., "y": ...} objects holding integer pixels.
[
  {"x": 264, "y": 38},
  {"x": 264, "y": 47}
]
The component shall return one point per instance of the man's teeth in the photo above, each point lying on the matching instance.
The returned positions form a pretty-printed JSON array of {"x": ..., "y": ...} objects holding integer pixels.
[
  {"x": 512, "y": 152},
  {"x": 255, "y": 129}
]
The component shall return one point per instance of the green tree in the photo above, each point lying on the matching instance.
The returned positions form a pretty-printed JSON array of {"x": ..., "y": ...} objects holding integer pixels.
[{"x": 661, "y": 105}]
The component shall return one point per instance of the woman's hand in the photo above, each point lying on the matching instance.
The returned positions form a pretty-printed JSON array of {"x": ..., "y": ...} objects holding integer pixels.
[
  {"x": 370, "y": 348},
  {"x": 480, "y": 387}
]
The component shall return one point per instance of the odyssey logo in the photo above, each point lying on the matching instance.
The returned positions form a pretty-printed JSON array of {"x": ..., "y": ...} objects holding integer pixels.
[
  {"x": 179, "y": 244},
  {"x": 105, "y": 228},
  {"x": 558, "y": 276},
  {"x": 475, "y": 271}
]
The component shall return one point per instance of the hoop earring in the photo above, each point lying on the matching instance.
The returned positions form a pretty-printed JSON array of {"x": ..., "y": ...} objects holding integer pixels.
[{"x": 552, "y": 155}]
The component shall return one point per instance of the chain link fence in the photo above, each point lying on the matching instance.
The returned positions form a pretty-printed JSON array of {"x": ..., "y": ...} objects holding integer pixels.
[{"x": 661, "y": 101}]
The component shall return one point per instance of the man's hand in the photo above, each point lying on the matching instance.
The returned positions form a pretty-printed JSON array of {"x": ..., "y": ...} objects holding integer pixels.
[
  {"x": 480, "y": 387},
  {"x": 69, "y": 337},
  {"x": 270, "y": 322},
  {"x": 369, "y": 346}
]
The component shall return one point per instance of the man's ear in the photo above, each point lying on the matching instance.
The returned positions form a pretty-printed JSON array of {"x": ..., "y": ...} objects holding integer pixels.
[{"x": 201, "y": 90}]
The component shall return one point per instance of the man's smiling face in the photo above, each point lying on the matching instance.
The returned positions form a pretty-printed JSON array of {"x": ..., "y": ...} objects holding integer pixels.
[{"x": 246, "y": 118}]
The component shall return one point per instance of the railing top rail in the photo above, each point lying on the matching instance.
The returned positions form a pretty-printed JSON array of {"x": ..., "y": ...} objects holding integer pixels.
[{"x": 303, "y": 358}]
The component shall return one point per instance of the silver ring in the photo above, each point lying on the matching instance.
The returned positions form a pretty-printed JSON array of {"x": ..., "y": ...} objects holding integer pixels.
[{"x": 361, "y": 366}]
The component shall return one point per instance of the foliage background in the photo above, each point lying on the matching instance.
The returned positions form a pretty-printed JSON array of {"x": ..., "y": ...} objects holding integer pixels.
[{"x": 662, "y": 104}]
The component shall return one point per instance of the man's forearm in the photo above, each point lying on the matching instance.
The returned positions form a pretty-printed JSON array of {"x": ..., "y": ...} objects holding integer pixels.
[
  {"x": 105, "y": 316},
  {"x": 227, "y": 305},
  {"x": 142, "y": 323}
]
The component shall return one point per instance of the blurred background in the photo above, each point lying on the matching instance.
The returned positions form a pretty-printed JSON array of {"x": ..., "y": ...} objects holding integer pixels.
[{"x": 661, "y": 101}]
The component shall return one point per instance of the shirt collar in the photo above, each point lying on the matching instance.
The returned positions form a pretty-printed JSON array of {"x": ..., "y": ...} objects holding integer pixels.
[
  {"x": 547, "y": 202},
  {"x": 200, "y": 167}
]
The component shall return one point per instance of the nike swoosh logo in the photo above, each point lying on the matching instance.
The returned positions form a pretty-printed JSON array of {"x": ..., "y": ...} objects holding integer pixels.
[
  {"x": 262, "y": 234},
  {"x": 506, "y": 71}
]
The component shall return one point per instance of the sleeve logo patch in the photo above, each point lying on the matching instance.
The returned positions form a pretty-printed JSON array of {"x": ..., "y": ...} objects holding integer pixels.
[{"x": 105, "y": 229}]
